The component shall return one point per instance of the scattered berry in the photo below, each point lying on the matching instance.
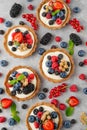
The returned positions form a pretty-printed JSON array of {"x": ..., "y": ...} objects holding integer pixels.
[
  {"x": 2, "y": 32},
  {"x": 55, "y": 102},
  {"x": 73, "y": 121},
  {"x": 73, "y": 88},
  {"x": 45, "y": 90},
  {"x": 2, "y": 119},
  {"x": 1, "y": 20},
  {"x": 82, "y": 76},
  {"x": 41, "y": 51},
  {"x": 11, "y": 122},
  {"x": 81, "y": 64},
  {"x": 85, "y": 61},
  {"x": 30, "y": 7},
  {"x": 73, "y": 101},
  {"x": 57, "y": 38},
  {"x": 8, "y": 23},
  {"x": 67, "y": 124},
  {"x": 81, "y": 53},
  {"x": 63, "y": 44},
  {"x": 24, "y": 106},
  {"x": 21, "y": 23},
  {"x": 53, "y": 47},
  {"x": 4, "y": 63},
  {"x": 76, "y": 9},
  {"x": 62, "y": 106},
  {"x": 46, "y": 39},
  {"x": 85, "y": 91},
  {"x": 41, "y": 96},
  {"x": 1, "y": 90}
]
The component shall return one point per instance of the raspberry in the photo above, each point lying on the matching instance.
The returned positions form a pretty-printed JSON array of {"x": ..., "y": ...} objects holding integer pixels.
[
  {"x": 48, "y": 16},
  {"x": 30, "y": 7},
  {"x": 39, "y": 114},
  {"x": 57, "y": 38},
  {"x": 62, "y": 106},
  {"x": 1, "y": 20},
  {"x": 58, "y": 21},
  {"x": 54, "y": 65},
  {"x": 55, "y": 102},
  {"x": 73, "y": 88},
  {"x": 54, "y": 58},
  {"x": 85, "y": 61},
  {"x": 31, "y": 76},
  {"x": 68, "y": 1},
  {"x": 82, "y": 76},
  {"x": 36, "y": 124}
]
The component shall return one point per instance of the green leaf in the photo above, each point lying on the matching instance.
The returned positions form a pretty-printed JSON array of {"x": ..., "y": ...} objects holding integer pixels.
[
  {"x": 12, "y": 82},
  {"x": 16, "y": 117},
  {"x": 21, "y": 77},
  {"x": 71, "y": 52},
  {"x": 71, "y": 44},
  {"x": 13, "y": 108},
  {"x": 69, "y": 111}
]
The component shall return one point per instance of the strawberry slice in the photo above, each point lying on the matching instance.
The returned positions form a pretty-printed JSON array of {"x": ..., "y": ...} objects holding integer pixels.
[
  {"x": 73, "y": 101},
  {"x": 57, "y": 5},
  {"x": 48, "y": 125},
  {"x": 2, "y": 119},
  {"x": 6, "y": 103},
  {"x": 18, "y": 37}
]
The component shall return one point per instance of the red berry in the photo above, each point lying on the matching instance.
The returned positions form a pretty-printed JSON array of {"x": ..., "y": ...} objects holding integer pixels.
[
  {"x": 82, "y": 76},
  {"x": 73, "y": 88},
  {"x": 0, "y": 74},
  {"x": 31, "y": 76},
  {"x": 1, "y": 20},
  {"x": 48, "y": 16},
  {"x": 36, "y": 124},
  {"x": 58, "y": 21},
  {"x": 30, "y": 7},
  {"x": 8, "y": 85},
  {"x": 57, "y": 38},
  {"x": 55, "y": 102},
  {"x": 54, "y": 58},
  {"x": 54, "y": 65},
  {"x": 85, "y": 61},
  {"x": 2, "y": 119},
  {"x": 62, "y": 106},
  {"x": 24, "y": 16},
  {"x": 39, "y": 114},
  {"x": 86, "y": 43},
  {"x": 68, "y": 1},
  {"x": 6, "y": 103}
]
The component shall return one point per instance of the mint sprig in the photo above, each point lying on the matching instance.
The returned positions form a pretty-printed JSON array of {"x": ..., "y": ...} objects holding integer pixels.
[
  {"x": 14, "y": 113},
  {"x": 69, "y": 111},
  {"x": 71, "y": 47}
]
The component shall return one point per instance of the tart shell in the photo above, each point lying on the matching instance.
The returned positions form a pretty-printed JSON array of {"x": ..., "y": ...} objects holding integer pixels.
[
  {"x": 35, "y": 41},
  {"x": 46, "y": 104},
  {"x": 37, "y": 84},
  {"x": 54, "y": 80},
  {"x": 50, "y": 27}
]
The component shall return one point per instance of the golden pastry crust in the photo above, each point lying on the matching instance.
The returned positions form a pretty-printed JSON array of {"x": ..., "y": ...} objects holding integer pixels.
[
  {"x": 55, "y": 80},
  {"x": 50, "y": 27},
  {"x": 37, "y": 84},
  {"x": 35, "y": 41},
  {"x": 46, "y": 104}
]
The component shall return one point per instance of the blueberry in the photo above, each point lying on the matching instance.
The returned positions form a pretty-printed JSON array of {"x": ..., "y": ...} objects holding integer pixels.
[
  {"x": 17, "y": 86},
  {"x": 38, "y": 120},
  {"x": 13, "y": 93},
  {"x": 50, "y": 71},
  {"x": 45, "y": 90},
  {"x": 49, "y": 63},
  {"x": 4, "y": 128},
  {"x": 10, "y": 78},
  {"x": 51, "y": 22},
  {"x": 81, "y": 53},
  {"x": 85, "y": 91},
  {"x": 14, "y": 73},
  {"x": 41, "y": 96},
  {"x": 41, "y": 109},
  {"x": 4, "y": 63},
  {"x": 25, "y": 73},
  {"x": 81, "y": 64},
  {"x": 11, "y": 122},
  {"x": 0, "y": 110},
  {"x": 61, "y": 14},
  {"x": 55, "y": 126},
  {"x": 57, "y": 73},
  {"x": 68, "y": 63},
  {"x": 1, "y": 90},
  {"x": 31, "y": 119},
  {"x": 29, "y": 46},
  {"x": 29, "y": 0},
  {"x": 63, "y": 74},
  {"x": 54, "y": 114},
  {"x": 2, "y": 32},
  {"x": 35, "y": 111},
  {"x": 49, "y": 57},
  {"x": 17, "y": 30},
  {"x": 53, "y": 47},
  {"x": 21, "y": 23},
  {"x": 76, "y": 9},
  {"x": 60, "y": 56},
  {"x": 63, "y": 44},
  {"x": 62, "y": 17},
  {"x": 8, "y": 23},
  {"x": 63, "y": 10},
  {"x": 19, "y": 91},
  {"x": 67, "y": 124},
  {"x": 41, "y": 51},
  {"x": 44, "y": 14},
  {"x": 24, "y": 106},
  {"x": 73, "y": 121},
  {"x": 14, "y": 48},
  {"x": 26, "y": 32},
  {"x": 10, "y": 43},
  {"x": 54, "y": 18}
]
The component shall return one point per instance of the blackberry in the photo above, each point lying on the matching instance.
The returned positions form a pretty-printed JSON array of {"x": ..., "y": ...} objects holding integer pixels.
[
  {"x": 76, "y": 39},
  {"x": 15, "y": 10},
  {"x": 28, "y": 89},
  {"x": 46, "y": 38}
]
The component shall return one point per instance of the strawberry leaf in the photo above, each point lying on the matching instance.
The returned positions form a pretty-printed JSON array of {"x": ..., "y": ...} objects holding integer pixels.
[
  {"x": 69, "y": 111},
  {"x": 17, "y": 118}
]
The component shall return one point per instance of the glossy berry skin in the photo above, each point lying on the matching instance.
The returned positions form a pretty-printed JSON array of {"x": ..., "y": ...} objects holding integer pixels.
[
  {"x": 16, "y": 86},
  {"x": 11, "y": 122},
  {"x": 41, "y": 51},
  {"x": 76, "y": 9},
  {"x": 63, "y": 44},
  {"x": 14, "y": 73},
  {"x": 25, "y": 73},
  {"x": 85, "y": 91},
  {"x": 81, "y": 64},
  {"x": 67, "y": 124},
  {"x": 35, "y": 111},
  {"x": 63, "y": 74},
  {"x": 41, "y": 96},
  {"x": 3, "y": 128},
  {"x": 8, "y": 23},
  {"x": 73, "y": 121},
  {"x": 55, "y": 126},
  {"x": 31, "y": 119},
  {"x": 49, "y": 63},
  {"x": 81, "y": 53},
  {"x": 1, "y": 90},
  {"x": 3, "y": 63},
  {"x": 54, "y": 115}
]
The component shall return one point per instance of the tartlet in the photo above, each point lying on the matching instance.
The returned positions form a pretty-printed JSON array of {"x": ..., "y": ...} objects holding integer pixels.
[
  {"x": 56, "y": 65},
  {"x": 20, "y": 41},
  {"x": 53, "y": 14},
  {"x": 22, "y": 83}
]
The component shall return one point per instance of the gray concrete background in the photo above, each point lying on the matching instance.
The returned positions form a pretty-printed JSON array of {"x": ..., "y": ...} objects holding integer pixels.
[{"x": 33, "y": 61}]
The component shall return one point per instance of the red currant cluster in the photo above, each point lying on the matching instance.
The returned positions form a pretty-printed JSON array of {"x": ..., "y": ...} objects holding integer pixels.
[
  {"x": 57, "y": 91},
  {"x": 32, "y": 19},
  {"x": 76, "y": 25}
]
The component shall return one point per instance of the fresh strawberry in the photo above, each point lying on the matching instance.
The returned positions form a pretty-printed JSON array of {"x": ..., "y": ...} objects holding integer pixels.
[
  {"x": 6, "y": 103},
  {"x": 8, "y": 85},
  {"x": 18, "y": 37},
  {"x": 73, "y": 88},
  {"x": 55, "y": 102},
  {"x": 36, "y": 124},
  {"x": 73, "y": 101},
  {"x": 2, "y": 119},
  {"x": 57, "y": 5},
  {"x": 48, "y": 125}
]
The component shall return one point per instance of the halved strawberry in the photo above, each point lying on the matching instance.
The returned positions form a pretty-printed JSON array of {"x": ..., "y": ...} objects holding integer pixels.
[
  {"x": 48, "y": 125},
  {"x": 57, "y": 5},
  {"x": 73, "y": 101},
  {"x": 18, "y": 36},
  {"x": 8, "y": 85},
  {"x": 6, "y": 103}
]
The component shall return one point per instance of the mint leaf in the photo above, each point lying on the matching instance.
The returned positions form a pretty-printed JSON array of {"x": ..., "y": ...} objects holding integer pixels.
[
  {"x": 71, "y": 44},
  {"x": 21, "y": 77},
  {"x": 17, "y": 118},
  {"x": 13, "y": 108},
  {"x": 12, "y": 82},
  {"x": 71, "y": 52},
  {"x": 69, "y": 111}
]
